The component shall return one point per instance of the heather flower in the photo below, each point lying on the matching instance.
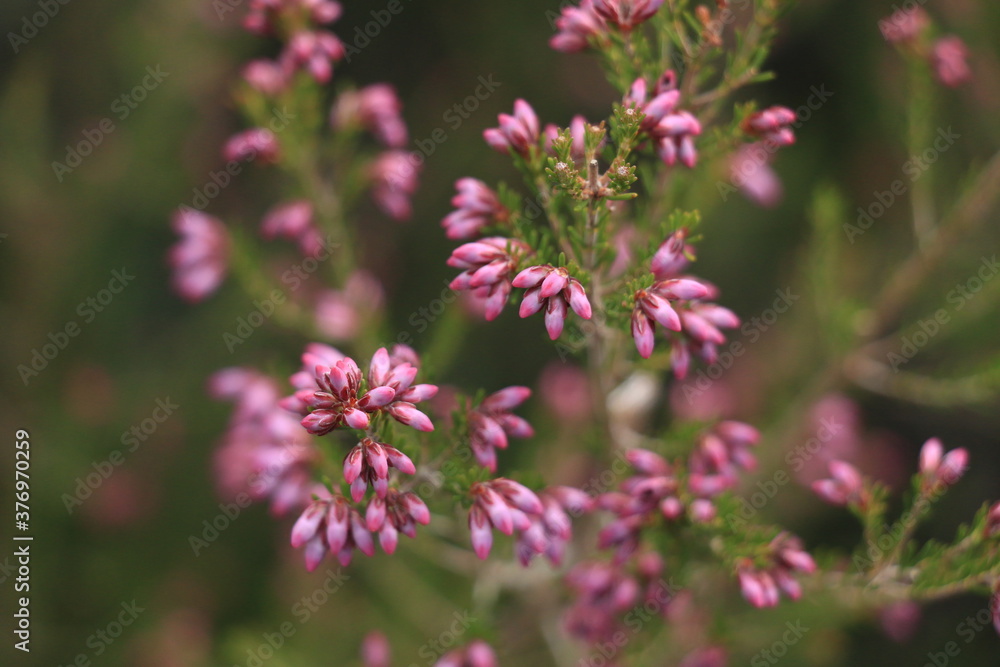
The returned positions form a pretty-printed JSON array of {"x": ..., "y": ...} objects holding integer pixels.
[
  {"x": 264, "y": 452},
  {"x": 491, "y": 423},
  {"x": 375, "y": 650},
  {"x": 576, "y": 25},
  {"x": 604, "y": 592},
  {"x": 551, "y": 530},
  {"x": 376, "y": 108},
  {"x": 294, "y": 221},
  {"x": 652, "y": 305},
  {"x": 904, "y": 25},
  {"x": 763, "y": 587},
  {"x": 578, "y": 132},
  {"x": 519, "y": 132},
  {"x": 394, "y": 514},
  {"x": 477, "y": 654},
  {"x": 256, "y": 144},
  {"x": 265, "y": 76},
  {"x": 394, "y": 177},
  {"x": 940, "y": 469},
  {"x": 773, "y": 125},
  {"x": 626, "y": 14},
  {"x": 338, "y": 403},
  {"x": 663, "y": 103},
  {"x": 200, "y": 259},
  {"x": 749, "y": 169},
  {"x": 368, "y": 463},
  {"x": 314, "y": 51},
  {"x": 719, "y": 455},
  {"x": 502, "y": 504},
  {"x": 330, "y": 524},
  {"x": 675, "y": 135},
  {"x": 397, "y": 374},
  {"x": 948, "y": 57},
  {"x": 672, "y": 256},
  {"x": 553, "y": 290},
  {"x": 844, "y": 487},
  {"x": 477, "y": 206},
  {"x": 488, "y": 266}
]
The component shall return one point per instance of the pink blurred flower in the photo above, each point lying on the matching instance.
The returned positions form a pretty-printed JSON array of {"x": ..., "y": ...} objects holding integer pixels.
[
  {"x": 948, "y": 57},
  {"x": 256, "y": 144},
  {"x": 576, "y": 25},
  {"x": 394, "y": 178},
  {"x": 488, "y": 266},
  {"x": 519, "y": 132},
  {"x": 565, "y": 390},
  {"x": 375, "y": 650},
  {"x": 376, "y": 108},
  {"x": 477, "y": 654},
  {"x": 708, "y": 656},
  {"x": 265, "y": 76},
  {"x": 763, "y": 587},
  {"x": 553, "y": 290},
  {"x": 750, "y": 170},
  {"x": 200, "y": 259},
  {"x": 477, "y": 206},
  {"x": 551, "y": 530},
  {"x": 492, "y": 422},
  {"x": 340, "y": 313},
  {"x": 313, "y": 51},
  {"x": 502, "y": 504},
  {"x": 627, "y": 14},
  {"x": 845, "y": 485},
  {"x": 773, "y": 125},
  {"x": 294, "y": 221},
  {"x": 899, "y": 620},
  {"x": 939, "y": 469},
  {"x": 904, "y": 25}
]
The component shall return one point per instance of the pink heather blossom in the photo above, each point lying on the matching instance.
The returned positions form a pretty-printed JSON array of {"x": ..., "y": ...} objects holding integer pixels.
[
  {"x": 491, "y": 423},
  {"x": 652, "y": 305},
  {"x": 565, "y": 390},
  {"x": 763, "y": 587},
  {"x": 502, "y": 504},
  {"x": 477, "y": 654},
  {"x": 368, "y": 463},
  {"x": 488, "y": 266},
  {"x": 551, "y": 530},
  {"x": 340, "y": 313},
  {"x": 773, "y": 125},
  {"x": 578, "y": 131},
  {"x": 702, "y": 324},
  {"x": 627, "y": 14},
  {"x": 899, "y": 620},
  {"x": 904, "y": 25},
  {"x": 200, "y": 259},
  {"x": 266, "y": 16},
  {"x": 313, "y": 51},
  {"x": 576, "y": 25},
  {"x": 663, "y": 103},
  {"x": 519, "y": 132},
  {"x": 940, "y": 469},
  {"x": 397, "y": 372},
  {"x": 375, "y": 650},
  {"x": 394, "y": 514},
  {"x": 750, "y": 171},
  {"x": 553, "y": 290},
  {"x": 376, "y": 108},
  {"x": 673, "y": 256},
  {"x": 337, "y": 402},
  {"x": 844, "y": 487},
  {"x": 330, "y": 525},
  {"x": 477, "y": 206},
  {"x": 948, "y": 57},
  {"x": 254, "y": 145},
  {"x": 675, "y": 139},
  {"x": 294, "y": 221},
  {"x": 720, "y": 454},
  {"x": 265, "y": 76},
  {"x": 394, "y": 181},
  {"x": 264, "y": 452}
]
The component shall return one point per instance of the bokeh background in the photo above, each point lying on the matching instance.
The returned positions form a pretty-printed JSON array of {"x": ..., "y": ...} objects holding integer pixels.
[{"x": 63, "y": 239}]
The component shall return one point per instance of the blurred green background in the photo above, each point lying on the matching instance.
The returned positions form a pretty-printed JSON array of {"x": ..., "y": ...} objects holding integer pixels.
[{"x": 63, "y": 239}]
